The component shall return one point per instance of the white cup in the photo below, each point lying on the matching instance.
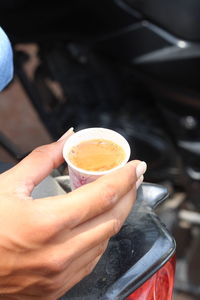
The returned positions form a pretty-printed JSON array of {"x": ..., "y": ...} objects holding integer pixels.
[{"x": 79, "y": 176}]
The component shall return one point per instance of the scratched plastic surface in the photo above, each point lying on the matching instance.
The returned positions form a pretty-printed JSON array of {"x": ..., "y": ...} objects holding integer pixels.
[{"x": 140, "y": 249}]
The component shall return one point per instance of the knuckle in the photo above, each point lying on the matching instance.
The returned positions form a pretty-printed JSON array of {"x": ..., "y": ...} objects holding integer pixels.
[
  {"x": 54, "y": 286},
  {"x": 44, "y": 223},
  {"x": 89, "y": 268},
  {"x": 116, "y": 226},
  {"x": 44, "y": 232},
  {"x": 47, "y": 230},
  {"x": 50, "y": 286},
  {"x": 42, "y": 149},
  {"x": 108, "y": 194},
  {"x": 54, "y": 264},
  {"x": 45, "y": 151},
  {"x": 101, "y": 249}
]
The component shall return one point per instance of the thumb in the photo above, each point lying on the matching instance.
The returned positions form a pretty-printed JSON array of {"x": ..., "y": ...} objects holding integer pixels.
[{"x": 38, "y": 164}]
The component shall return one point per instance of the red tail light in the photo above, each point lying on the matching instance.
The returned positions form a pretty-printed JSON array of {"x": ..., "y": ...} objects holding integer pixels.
[{"x": 159, "y": 286}]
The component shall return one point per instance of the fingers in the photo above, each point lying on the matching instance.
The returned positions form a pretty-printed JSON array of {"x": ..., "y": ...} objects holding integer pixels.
[
  {"x": 83, "y": 273},
  {"x": 95, "y": 231},
  {"x": 60, "y": 271},
  {"x": 80, "y": 262},
  {"x": 75, "y": 278},
  {"x": 38, "y": 164},
  {"x": 90, "y": 200},
  {"x": 70, "y": 245}
]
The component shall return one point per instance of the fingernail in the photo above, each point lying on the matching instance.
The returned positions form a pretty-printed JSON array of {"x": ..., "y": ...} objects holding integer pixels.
[
  {"x": 141, "y": 169},
  {"x": 139, "y": 181},
  {"x": 66, "y": 134}
]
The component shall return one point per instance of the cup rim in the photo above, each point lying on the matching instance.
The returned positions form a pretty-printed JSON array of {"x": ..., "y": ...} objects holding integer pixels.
[{"x": 97, "y": 173}]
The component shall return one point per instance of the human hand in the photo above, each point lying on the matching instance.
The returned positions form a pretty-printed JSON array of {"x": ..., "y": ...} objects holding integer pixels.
[{"x": 48, "y": 245}]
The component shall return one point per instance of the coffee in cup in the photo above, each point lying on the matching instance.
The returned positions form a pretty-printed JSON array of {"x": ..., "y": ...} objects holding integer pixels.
[
  {"x": 93, "y": 152},
  {"x": 97, "y": 155}
]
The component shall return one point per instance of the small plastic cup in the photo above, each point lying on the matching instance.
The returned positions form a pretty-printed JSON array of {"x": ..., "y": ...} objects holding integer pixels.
[{"x": 78, "y": 176}]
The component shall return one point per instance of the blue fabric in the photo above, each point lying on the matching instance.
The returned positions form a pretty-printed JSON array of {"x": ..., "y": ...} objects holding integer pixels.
[{"x": 6, "y": 60}]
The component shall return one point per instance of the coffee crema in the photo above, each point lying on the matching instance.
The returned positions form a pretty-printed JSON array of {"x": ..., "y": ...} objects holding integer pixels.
[{"x": 97, "y": 155}]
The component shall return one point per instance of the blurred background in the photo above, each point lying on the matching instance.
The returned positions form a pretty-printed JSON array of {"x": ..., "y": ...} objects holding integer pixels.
[
  {"x": 125, "y": 65},
  {"x": 19, "y": 122}
]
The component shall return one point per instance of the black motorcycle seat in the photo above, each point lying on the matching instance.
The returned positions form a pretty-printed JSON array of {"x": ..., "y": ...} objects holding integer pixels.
[{"x": 180, "y": 17}]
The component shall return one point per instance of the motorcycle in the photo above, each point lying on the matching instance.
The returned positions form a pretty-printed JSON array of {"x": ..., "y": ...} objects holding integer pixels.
[
  {"x": 124, "y": 64},
  {"x": 139, "y": 263}
]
